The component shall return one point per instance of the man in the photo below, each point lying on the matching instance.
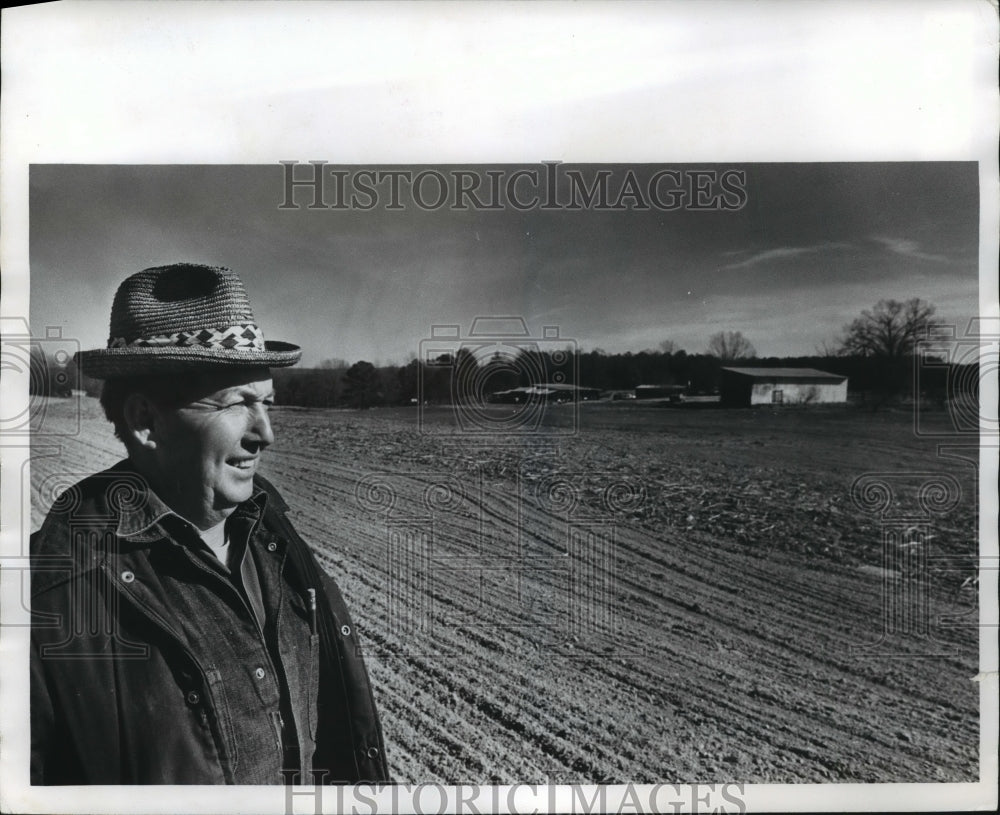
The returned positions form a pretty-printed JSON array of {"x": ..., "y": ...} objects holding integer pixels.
[{"x": 182, "y": 631}]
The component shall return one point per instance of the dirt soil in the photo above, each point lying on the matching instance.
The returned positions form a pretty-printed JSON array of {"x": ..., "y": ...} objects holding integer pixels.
[{"x": 636, "y": 593}]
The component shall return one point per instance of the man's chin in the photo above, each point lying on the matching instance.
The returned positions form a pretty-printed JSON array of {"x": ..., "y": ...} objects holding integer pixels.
[{"x": 235, "y": 492}]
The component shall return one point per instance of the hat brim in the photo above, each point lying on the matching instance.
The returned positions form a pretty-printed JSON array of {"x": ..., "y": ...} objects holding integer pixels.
[{"x": 107, "y": 363}]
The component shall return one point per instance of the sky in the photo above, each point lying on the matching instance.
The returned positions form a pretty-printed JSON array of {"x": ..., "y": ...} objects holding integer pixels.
[{"x": 810, "y": 246}]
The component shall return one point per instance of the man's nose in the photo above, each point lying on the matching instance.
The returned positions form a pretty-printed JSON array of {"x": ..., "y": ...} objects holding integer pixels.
[{"x": 260, "y": 426}]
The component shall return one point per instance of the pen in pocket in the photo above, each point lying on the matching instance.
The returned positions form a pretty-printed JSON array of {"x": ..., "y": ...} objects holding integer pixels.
[{"x": 312, "y": 609}]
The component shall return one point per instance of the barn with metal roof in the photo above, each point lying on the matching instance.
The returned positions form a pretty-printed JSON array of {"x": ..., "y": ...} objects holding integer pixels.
[{"x": 781, "y": 386}]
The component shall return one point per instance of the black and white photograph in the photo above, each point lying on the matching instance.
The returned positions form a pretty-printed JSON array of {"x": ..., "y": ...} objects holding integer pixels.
[{"x": 479, "y": 478}]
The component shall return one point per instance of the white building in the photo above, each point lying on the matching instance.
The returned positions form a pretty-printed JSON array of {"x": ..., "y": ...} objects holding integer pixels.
[{"x": 781, "y": 386}]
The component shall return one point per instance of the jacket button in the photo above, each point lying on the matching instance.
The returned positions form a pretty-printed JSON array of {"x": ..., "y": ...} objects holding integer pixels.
[
  {"x": 259, "y": 673},
  {"x": 345, "y": 630},
  {"x": 193, "y": 697},
  {"x": 372, "y": 752},
  {"x": 272, "y": 547},
  {"x": 127, "y": 576}
]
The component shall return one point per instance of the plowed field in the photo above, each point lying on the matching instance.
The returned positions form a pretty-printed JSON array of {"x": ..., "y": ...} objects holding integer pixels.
[{"x": 666, "y": 595}]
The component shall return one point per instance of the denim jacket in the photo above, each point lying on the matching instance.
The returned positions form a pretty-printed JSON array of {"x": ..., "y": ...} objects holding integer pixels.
[{"x": 152, "y": 664}]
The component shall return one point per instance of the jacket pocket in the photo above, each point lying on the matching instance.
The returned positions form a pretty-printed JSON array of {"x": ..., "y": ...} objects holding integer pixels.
[{"x": 223, "y": 718}]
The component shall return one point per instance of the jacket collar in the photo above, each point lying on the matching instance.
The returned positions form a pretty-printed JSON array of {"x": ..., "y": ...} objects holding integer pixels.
[{"x": 138, "y": 520}]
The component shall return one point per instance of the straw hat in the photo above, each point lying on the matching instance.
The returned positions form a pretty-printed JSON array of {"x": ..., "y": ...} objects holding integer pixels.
[{"x": 173, "y": 319}]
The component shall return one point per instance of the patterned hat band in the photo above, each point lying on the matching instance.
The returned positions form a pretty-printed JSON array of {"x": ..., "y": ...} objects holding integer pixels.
[
  {"x": 182, "y": 318},
  {"x": 244, "y": 336}
]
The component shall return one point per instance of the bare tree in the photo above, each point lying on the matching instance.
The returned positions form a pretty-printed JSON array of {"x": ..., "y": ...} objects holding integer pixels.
[
  {"x": 730, "y": 345},
  {"x": 827, "y": 349},
  {"x": 892, "y": 329}
]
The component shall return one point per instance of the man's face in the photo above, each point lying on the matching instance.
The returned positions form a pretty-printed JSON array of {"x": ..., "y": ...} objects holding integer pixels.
[{"x": 208, "y": 448}]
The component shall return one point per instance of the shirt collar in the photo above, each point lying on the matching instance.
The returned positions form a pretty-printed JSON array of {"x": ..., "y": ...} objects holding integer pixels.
[{"x": 136, "y": 520}]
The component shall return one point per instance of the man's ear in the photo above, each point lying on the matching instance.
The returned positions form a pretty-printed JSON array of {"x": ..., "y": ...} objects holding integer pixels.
[{"x": 141, "y": 419}]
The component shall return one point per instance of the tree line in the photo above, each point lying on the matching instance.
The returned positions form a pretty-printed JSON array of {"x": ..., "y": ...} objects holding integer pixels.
[
  {"x": 873, "y": 381},
  {"x": 887, "y": 352}
]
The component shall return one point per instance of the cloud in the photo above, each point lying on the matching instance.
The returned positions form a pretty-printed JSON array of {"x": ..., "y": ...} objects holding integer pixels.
[
  {"x": 782, "y": 252},
  {"x": 906, "y": 248}
]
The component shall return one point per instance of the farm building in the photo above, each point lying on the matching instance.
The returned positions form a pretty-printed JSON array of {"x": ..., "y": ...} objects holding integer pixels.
[
  {"x": 545, "y": 392},
  {"x": 778, "y": 386}
]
